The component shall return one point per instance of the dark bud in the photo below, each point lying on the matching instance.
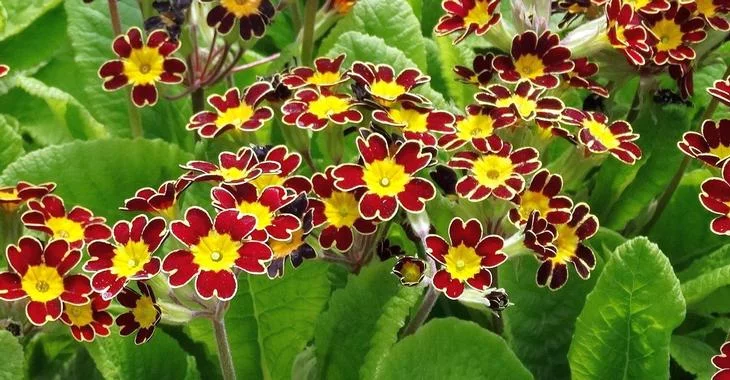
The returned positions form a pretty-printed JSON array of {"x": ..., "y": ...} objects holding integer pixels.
[
  {"x": 445, "y": 179},
  {"x": 387, "y": 250},
  {"x": 261, "y": 151},
  {"x": 666, "y": 96},
  {"x": 297, "y": 207},
  {"x": 593, "y": 102},
  {"x": 280, "y": 93},
  {"x": 497, "y": 300},
  {"x": 13, "y": 328}
]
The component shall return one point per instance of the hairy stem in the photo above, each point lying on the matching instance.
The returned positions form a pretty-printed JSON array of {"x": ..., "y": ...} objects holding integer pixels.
[
  {"x": 221, "y": 339},
  {"x": 310, "y": 13},
  {"x": 429, "y": 300}
]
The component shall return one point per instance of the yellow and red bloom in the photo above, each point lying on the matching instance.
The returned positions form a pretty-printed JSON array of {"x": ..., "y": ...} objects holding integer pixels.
[
  {"x": 214, "y": 250},
  {"x": 416, "y": 122},
  {"x": 326, "y": 73},
  {"x": 232, "y": 168},
  {"x": 626, "y": 32},
  {"x": 316, "y": 109},
  {"x": 537, "y": 59},
  {"x": 337, "y": 211},
  {"x": 598, "y": 136},
  {"x": 497, "y": 172},
  {"x": 721, "y": 91},
  {"x": 77, "y": 227},
  {"x": 265, "y": 206},
  {"x": 580, "y": 76},
  {"x": 711, "y": 146},
  {"x": 161, "y": 201},
  {"x": 288, "y": 162},
  {"x": 410, "y": 270},
  {"x": 468, "y": 17},
  {"x": 479, "y": 124},
  {"x": 480, "y": 73},
  {"x": 253, "y": 16},
  {"x": 234, "y": 111},
  {"x": 142, "y": 65},
  {"x": 296, "y": 247},
  {"x": 722, "y": 363},
  {"x": 466, "y": 258},
  {"x": 129, "y": 258},
  {"x": 388, "y": 175},
  {"x": 381, "y": 82},
  {"x": 575, "y": 8},
  {"x": 672, "y": 32},
  {"x": 4, "y": 69},
  {"x": 41, "y": 274},
  {"x": 143, "y": 316},
  {"x": 13, "y": 197},
  {"x": 542, "y": 197},
  {"x": 648, "y": 6},
  {"x": 89, "y": 320},
  {"x": 526, "y": 102},
  {"x": 713, "y": 11},
  {"x": 715, "y": 197}
]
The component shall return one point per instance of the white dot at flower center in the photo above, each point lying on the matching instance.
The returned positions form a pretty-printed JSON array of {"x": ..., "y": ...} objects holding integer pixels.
[
  {"x": 384, "y": 182},
  {"x": 460, "y": 264},
  {"x": 216, "y": 256},
  {"x": 132, "y": 263}
]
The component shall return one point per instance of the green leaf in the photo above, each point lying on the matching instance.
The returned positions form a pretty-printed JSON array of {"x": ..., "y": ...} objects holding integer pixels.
[
  {"x": 452, "y": 349},
  {"x": 20, "y": 14},
  {"x": 391, "y": 20},
  {"x": 706, "y": 275},
  {"x": 430, "y": 17},
  {"x": 627, "y": 321},
  {"x": 693, "y": 355},
  {"x": 45, "y": 35},
  {"x": 12, "y": 146},
  {"x": 12, "y": 353},
  {"x": 450, "y": 56},
  {"x": 99, "y": 174}
]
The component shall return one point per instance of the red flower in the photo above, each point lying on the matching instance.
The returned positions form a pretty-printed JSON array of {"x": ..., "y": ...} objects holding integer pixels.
[
  {"x": 467, "y": 17},
  {"x": 713, "y": 11},
  {"x": 526, "y": 102},
  {"x": 326, "y": 73},
  {"x": 542, "y": 197},
  {"x": 316, "y": 109},
  {"x": 626, "y": 32},
  {"x": 142, "y": 65},
  {"x": 253, "y": 16},
  {"x": 721, "y": 90},
  {"x": 384, "y": 86},
  {"x": 573, "y": 9},
  {"x": 388, "y": 177},
  {"x": 4, "y": 70},
  {"x": 466, "y": 258},
  {"x": 12, "y": 197},
  {"x": 479, "y": 124},
  {"x": 649, "y": 6},
  {"x": 89, "y": 320},
  {"x": 143, "y": 316},
  {"x": 161, "y": 201},
  {"x": 288, "y": 164},
  {"x": 538, "y": 60},
  {"x": 600, "y": 137},
  {"x": 671, "y": 33},
  {"x": 214, "y": 250},
  {"x": 722, "y": 363},
  {"x": 337, "y": 211},
  {"x": 711, "y": 146},
  {"x": 480, "y": 73},
  {"x": 580, "y": 76},
  {"x": 49, "y": 216},
  {"x": 410, "y": 270},
  {"x": 232, "y": 168},
  {"x": 265, "y": 206},
  {"x": 233, "y": 111},
  {"x": 715, "y": 197},
  {"x": 417, "y": 122},
  {"x": 497, "y": 172},
  {"x": 129, "y": 258},
  {"x": 41, "y": 273}
]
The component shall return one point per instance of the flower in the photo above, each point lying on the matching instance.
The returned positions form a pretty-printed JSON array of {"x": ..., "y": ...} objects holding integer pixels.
[
  {"x": 12, "y": 197},
  {"x": 264, "y": 206},
  {"x": 497, "y": 300},
  {"x": 384, "y": 86},
  {"x": 410, "y": 270},
  {"x": 526, "y": 102},
  {"x": 600, "y": 137},
  {"x": 142, "y": 65},
  {"x": 386, "y": 249},
  {"x": 579, "y": 77},
  {"x": 388, "y": 177},
  {"x": 4, "y": 69},
  {"x": 542, "y": 197},
  {"x": 417, "y": 123},
  {"x": 232, "y": 168},
  {"x": 161, "y": 201},
  {"x": 233, "y": 111},
  {"x": 497, "y": 172},
  {"x": 721, "y": 90},
  {"x": 171, "y": 17},
  {"x": 214, "y": 249},
  {"x": 89, "y": 320},
  {"x": 538, "y": 60},
  {"x": 144, "y": 314},
  {"x": 288, "y": 164},
  {"x": 41, "y": 273},
  {"x": 715, "y": 197},
  {"x": 480, "y": 73},
  {"x": 479, "y": 123},
  {"x": 711, "y": 146},
  {"x": 253, "y": 16},
  {"x": 626, "y": 31},
  {"x": 722, "y": 363},
  {"x": 671, "y": 33},
  {"x": 337, "y": 211},
  {"x": 467, "y": 17},
  {"x": 316, "y": 109},
  {"x": 295, "y": 248},
  {"x": 129, "y": 258},
  {"x": 575, "y": 8},
  {"x": 712, "y": 12},
  {"x": 466, "y": 259},
  {"x": 78, "y": 226},
  {"x": 326, "y": 73}
]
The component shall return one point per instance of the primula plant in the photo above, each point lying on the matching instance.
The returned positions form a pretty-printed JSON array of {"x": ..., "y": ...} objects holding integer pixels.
[{"x": 365, "y": 189}]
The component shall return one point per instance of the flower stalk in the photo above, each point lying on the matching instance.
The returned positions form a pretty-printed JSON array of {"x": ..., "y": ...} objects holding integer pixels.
[
  {"x": 223, "y": 345},
  {"x": 310, "y": 13}
]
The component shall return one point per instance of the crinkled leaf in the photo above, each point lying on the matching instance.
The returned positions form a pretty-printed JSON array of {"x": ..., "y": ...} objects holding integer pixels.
[
  {"x": 451, "y": 55},
  {"x": 706, "y": 275},
  {"x": 12, "y": 143},
  {"x": 12, "y": 353},
  {"x": 45, "y": 35},
  {"x": 693, "y": 355},
  {"x": 20, "y": 14}
]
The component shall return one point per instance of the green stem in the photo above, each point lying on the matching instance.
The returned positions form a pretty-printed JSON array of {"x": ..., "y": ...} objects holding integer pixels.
[
  {"x": 221, "y": 339},
  {"x": 429, "y": 300},
  {"x": 310, "y": 13},
  {"x": 197, "y": 98}
]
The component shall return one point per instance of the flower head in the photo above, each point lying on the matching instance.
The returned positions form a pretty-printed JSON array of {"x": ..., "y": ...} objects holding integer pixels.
[
  {"x": 296, "y": 248},
  {"x": 721, "y": 90},
  {"x": 381, "y": 82},
  {"x": 478, "y": 124},
  {"x": 480, "y": 73},
  {"x": 171, "y": 16},
  {"x": 626, "y": 32},
  {"x": 161, "y": 201},
  {"x": 416, "y": 122},
  {"x": 289, "y": 163},
  {"x": 41, "y": 274},
  {"x": 722, "y": 363},
  {"x": 712, "y": 145},
  {"x": 12, "y": 197},
  {"x": 142, "y": 64},
  {"x": 466, "y": 258},
  {"x": 468, "y": 17},
  {"x": 233, "y": 111},
  {"x": 541, "y": 196},
  {"x": 326, "y": 73},
  {"x": 672, "y": 32},
  {"x": 599, "y": 136},
  {"x": 316, "y": 109},
  {"x": 144, "y": 314},
  {"x": 89, "y": 320},
  {"x": 410, "y": 270},
  {"x": 78, "y": 226},
  {"x": 537, "y": 59},
  {"x": 713, "y": 12},
  {"x": 232, "y": 168},
  {"x": 526, "y": 102},
  {"x": 648, "y": 6},
  {"x": 253, "y": 16}
]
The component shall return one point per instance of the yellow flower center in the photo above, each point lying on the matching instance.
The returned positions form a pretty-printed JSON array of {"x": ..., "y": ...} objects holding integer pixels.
[
  {"x": 241, "y": 8},
  {"x": 9, "y": 195},
  {"x": 265, "y": 180},
  {"x": 475, "y": 126},
  {"x": 66, "y": 229},
  {"x": 144, "y": 66},
  {"x": 231, "y": 174},
  {"x": 79, "y": 315},
  {"x": 479, "y": 15},
  {"x": 130, "y": 258},
  {"x": 637, "y": 4},
  {"x": 387, "y": 90},
  {"x": 462, "y": 262},
  {"x": 385, "y": 177},
  {"x": 341, "y": 209},
  {"x": 722, "y": 151},
  {"x": 529, "y": 66},
  {"x": 215, "y": 252},
  {"x": 324, "y": 79},
  {"x": 144, "y": 312},
  {"x": 492, "y": 170},
  {"x": 566, "y": 243},
  {"x": 525, "y": 106},
  {"x": 285, "y": 248},
  {"x": 325, "y": 106},
  {"x": 262, "y": 213},
  {"x": 411, "y": 272},
  {"x": 706, "y": 7},
  {"x": 412, "y": 121},
  {"x": 236, "y": 116},
  {"x": 601, "y": 133},
  {"x": 533, "y": 201},
  {"x": 669, "y": 35},
  {"x": 42, "y": 283}
]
